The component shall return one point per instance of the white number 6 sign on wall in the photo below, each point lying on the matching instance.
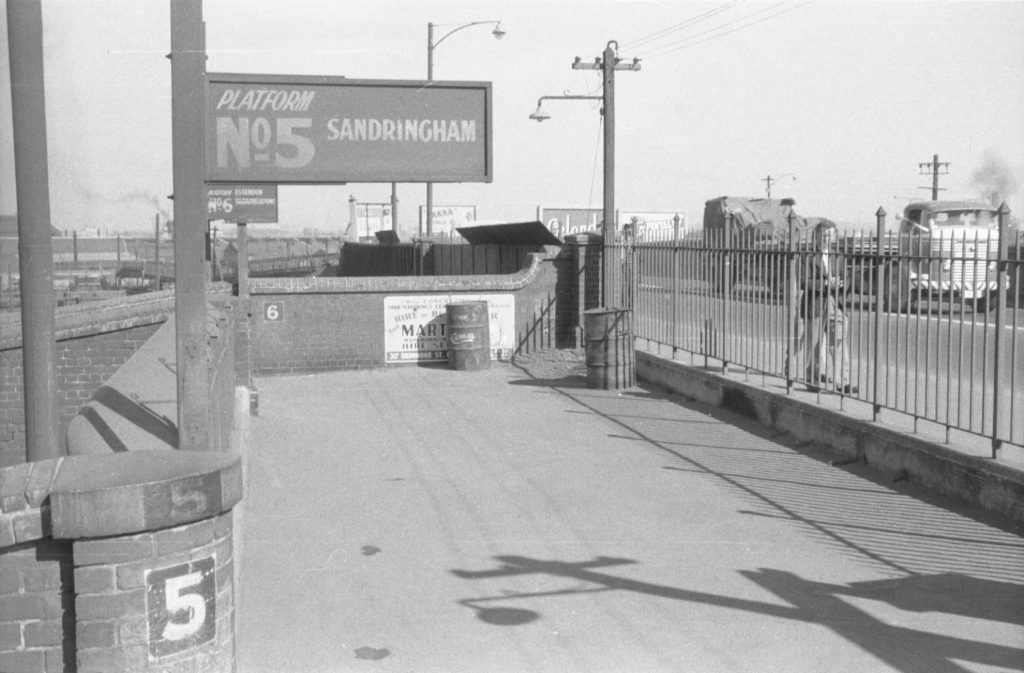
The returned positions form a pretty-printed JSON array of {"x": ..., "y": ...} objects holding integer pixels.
[
  {"x": 181, "y": 606},
  {"x": 273, "y": 312}
]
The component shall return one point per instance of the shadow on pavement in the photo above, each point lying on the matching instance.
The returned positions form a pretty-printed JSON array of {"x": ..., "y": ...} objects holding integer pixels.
[{"x": 905, "y": 649}]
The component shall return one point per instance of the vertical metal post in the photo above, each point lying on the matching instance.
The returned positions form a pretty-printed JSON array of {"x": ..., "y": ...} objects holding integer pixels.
[
  {"x": 74, "y": 249},
  {"x": 430, "y": 186},
  {"x": 1002, "y": 271},
  {"x": 188, "y": 56},
  {"x": 878, "y": 360},
  {"x": 243, "y": 261},
  {"x": 608, "y": 235},
  {"x": 727, "y": 292},
  {"x": 156, "y": 254},
  {"x": 35, "y": 248},
  {"x": 394, "y": 207},
  {"x": 791, "y": 303}
]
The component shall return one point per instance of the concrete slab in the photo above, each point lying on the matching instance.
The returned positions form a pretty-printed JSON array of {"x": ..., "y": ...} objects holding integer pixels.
[{"x": 510, "y": 519}]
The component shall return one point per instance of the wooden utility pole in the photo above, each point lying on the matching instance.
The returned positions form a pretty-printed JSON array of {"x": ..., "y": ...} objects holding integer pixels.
[
  {"x": 608, "y": 63},
  {"x": 934, "y": 168}
]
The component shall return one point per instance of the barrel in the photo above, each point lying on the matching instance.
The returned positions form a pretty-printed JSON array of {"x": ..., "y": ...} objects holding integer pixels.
[
  {"x": 611, "y": 359},
  {"x": 469, "y": 335}
]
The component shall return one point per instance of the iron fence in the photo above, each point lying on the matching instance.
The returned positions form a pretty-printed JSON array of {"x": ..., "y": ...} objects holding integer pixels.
[{"x": 931, "y": 329}]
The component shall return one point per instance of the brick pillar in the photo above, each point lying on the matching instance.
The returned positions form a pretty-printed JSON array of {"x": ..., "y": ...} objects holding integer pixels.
[
  {"x": 36, "y": 581},
  {"x": 119, "y": 563},
  {"x": 158, "y": 601},
  {"x": 589, "y": 249}
]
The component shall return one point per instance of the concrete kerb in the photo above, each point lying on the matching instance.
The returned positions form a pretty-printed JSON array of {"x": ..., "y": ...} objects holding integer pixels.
[{"x": 993, "y": 486}]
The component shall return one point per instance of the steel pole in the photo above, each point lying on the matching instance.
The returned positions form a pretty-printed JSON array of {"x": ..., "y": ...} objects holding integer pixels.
[
  {"x": 35, "y": 249},
  {"x": 243, "y": 261},
  {"x": 878, "y": 394},
  {"x": 608, "y": 234},
  {"x": 188, "y": 62},
  {"x": 428, "y": 226}
]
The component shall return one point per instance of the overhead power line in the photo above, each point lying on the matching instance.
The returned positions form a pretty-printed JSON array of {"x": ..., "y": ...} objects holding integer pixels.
[
  {"x": 679, "y": 26},
  {"x": 727, "y": 29}
]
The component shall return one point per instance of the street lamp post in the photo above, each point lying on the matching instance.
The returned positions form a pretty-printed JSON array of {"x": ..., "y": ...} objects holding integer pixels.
[
  {"x": 608, "y": 64},
  {"x": 498, "y": 33},
  {"x": 769, "y": 179}
]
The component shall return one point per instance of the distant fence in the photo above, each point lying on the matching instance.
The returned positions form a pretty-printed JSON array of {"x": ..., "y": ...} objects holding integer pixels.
[
  {"x": 944, "y": 359},
  {"x": 424, "y": 258}
]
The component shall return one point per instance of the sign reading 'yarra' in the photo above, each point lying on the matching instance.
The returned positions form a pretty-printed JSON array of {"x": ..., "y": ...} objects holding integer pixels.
[{"x": 321, "y": 130}]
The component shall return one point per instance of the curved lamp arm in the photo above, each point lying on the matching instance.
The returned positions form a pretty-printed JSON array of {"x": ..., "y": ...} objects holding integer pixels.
[{"x": 540, "y": 115}]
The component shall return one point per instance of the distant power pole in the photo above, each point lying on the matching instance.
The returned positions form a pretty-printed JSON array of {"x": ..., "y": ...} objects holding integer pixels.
[{"x": 934, "y": 169}]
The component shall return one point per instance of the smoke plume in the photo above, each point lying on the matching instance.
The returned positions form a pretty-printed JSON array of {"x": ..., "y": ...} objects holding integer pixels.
[{"x": 994, "y": 179}]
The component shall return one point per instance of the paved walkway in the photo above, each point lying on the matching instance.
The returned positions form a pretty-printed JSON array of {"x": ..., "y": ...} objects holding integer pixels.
[{"x": 419, "y": 519}]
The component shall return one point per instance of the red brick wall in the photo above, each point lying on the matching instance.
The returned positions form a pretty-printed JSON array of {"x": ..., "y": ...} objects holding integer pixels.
[
  {"x": 338, "y": 323},
  {"x": 92, "y": 343}
]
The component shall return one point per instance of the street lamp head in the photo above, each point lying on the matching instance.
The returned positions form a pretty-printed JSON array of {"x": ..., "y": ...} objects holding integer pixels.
[
  {"x": 498, "y": 33},
  {"x": 540, "y": 115}
]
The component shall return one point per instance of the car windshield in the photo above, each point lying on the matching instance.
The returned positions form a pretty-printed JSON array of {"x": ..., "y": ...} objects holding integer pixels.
[{"x": 967, "y": 217}]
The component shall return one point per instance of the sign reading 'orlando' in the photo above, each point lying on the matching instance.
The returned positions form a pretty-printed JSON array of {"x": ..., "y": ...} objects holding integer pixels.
[{"x": 300, "y": 129}]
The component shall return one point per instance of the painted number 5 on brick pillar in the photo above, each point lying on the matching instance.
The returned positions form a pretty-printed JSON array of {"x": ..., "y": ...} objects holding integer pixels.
[{"x": 181, "y": 606}]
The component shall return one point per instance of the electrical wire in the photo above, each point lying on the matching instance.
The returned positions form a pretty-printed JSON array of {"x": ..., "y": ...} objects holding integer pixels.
[
  {"x": 593, "y": 175},
  {"x": 684, "y": 24},
  {"x": 689, "y": 42}
]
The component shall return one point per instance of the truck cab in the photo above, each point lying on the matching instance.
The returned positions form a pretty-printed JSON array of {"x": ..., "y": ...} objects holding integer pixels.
[{"x": 946, "y": 250}]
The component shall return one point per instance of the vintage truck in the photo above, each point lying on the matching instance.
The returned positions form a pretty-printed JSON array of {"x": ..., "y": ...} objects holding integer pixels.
[
  {"x": 754, "y": 232},
  {"x": 944, "y": 250}
]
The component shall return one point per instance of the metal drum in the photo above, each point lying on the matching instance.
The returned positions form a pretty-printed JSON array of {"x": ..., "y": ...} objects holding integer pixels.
[
  {"x": 469, "y": 335},
  {"x": 611, "y": 359}
]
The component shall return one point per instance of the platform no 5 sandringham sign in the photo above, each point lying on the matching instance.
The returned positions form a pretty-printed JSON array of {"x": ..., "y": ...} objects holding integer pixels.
[
  {"x": 181, "y": 603},
  {"x": 300, "y": 129}
]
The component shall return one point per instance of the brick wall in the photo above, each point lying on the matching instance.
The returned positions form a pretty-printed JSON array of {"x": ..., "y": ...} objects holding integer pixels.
[
  {"x": 315, "y": 324},
  {"x": 93, "y": 341}
]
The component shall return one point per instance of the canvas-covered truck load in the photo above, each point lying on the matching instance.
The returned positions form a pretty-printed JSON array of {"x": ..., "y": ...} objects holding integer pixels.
[
  {"x": 745, "y": 236},
  {"x": 748, "y": 222}
]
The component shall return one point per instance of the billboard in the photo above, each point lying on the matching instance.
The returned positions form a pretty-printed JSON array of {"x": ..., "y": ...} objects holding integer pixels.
[
  {"x": 446, "y": 218},
  {"x": 564, "y": 222},
  {"x": 242, "y": 203},
  {"x": 653, "y": 226},
  {"x": 299, "y": 129},
  {"x": 416, "y": 326}
]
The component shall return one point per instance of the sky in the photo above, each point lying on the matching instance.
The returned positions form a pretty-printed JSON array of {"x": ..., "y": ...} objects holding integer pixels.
[{"x": 842, "y": 101}]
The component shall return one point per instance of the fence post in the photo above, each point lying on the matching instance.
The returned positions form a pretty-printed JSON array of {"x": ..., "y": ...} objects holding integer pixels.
[
  {"x": 791, "y": 291},
  {"x": 1002, "y": 277},
  {"x": 727, "y": 291},
  {"x": 876, "y": 408}
]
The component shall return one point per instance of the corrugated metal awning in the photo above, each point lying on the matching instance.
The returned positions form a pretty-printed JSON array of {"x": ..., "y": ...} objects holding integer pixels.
[{"x": 514, "y": 233}]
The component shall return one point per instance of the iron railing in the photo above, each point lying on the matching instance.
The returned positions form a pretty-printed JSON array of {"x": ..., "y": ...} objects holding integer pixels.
[{"x": 912, "y": 346}]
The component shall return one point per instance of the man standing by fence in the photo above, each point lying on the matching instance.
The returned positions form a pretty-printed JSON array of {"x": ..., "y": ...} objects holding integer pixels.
[{"x": 821, "y": 348}]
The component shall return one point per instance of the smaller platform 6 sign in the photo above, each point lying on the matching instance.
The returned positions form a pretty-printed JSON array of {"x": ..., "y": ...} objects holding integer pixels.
[
  {"x": 273, "y": 312},
  {"x": 181, "y": 604}
]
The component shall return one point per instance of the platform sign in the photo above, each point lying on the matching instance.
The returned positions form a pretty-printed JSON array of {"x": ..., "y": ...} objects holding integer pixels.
[
  {"x": 181, "y": 606},
  {"x": 301, "y": 129},
  {"x": 416, "y": 326},
  {"x": 242, "y": 203}
]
